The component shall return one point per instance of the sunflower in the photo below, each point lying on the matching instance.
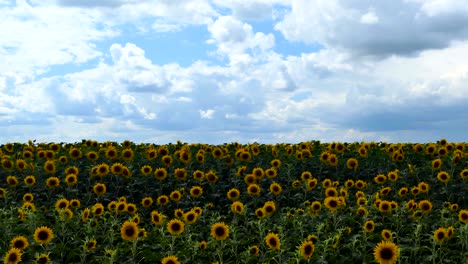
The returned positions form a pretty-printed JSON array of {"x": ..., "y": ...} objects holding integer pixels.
[
  {"x": 12, "y": 181},
  {"x": 250, "y": 179},
  {"x": 315, "y": 207},
  {"x": 439, "y": 235},
  {"x": 121, "y": 207},
  {"x": 85, "y": 215},
  {"x": 198, "y": 175},
  {"x": 29, "y": 180},
  {"x": 349, "y": 184},
  {"x": 369, "y": 226},
  {"x": 62, "y": 203},
  {"x": 146, "y": 170},
  {"x": 170, "y": 260},
  {"x": 269, "y": 207},
  {"x": 116, "y": 168},
  {"x": 443, "y": 177},
  {"x": 163, "y": 200},
  {"x": 175, "y": 227},
  {"x": 157, "y": 218},
  {"x": 129, "y": 231},
  {"x": 296, "y": 184},
  {"x": 166, "y": 160},
  {"x": 7, "y": 164},
  {"x": 385, "y": 191},
  {"x": 217, "y": 153},
  {"x": 233, "y": 194},
  {"x": 307, "y": 249},
  {"x": 52, "y": 182},
  {"x": 464, "y": 174},
  {"x": 179, "y": 213},
  {"x": 253, "y": 189},
  {"x": 254, "y": 251},
  {"x": 362, "y": 211},
  {"x": 425, "y": 206},
  {"x": 260, "y": 213},
  {"x": 423, "y": 187},
  {"x": 436, "y": 164},
  {"x": 98, "y": 209},
  {"x": 219, "y": 231},
  {"x": 112, "y": 206},
  {"x": 273, "y": 241},
  {"x": 276, "y": 188},
  {"x": 180, "y": 174},
  {"x": 75, "y": 153},
  {"x": 211, "y": 177},
  {"x": 43, "y": 259},
  {"x": 386, "y": 252},
  {"x": 380, "y": 179},
  {"x": 160, "y": 174},
  {"x": 271, "y": 173},
  {"x": 43, "y": 235},
  {"x": 13, "y": 256},
  {"x": 360, "y": 184},
  {"x": 463, "y": 216},
  {"x": 203, "y": 245},
  {"x": 450, "y": 232},
  {"x": 311, "y": 184},
  {"x": 185, "y": 156},
  {"x": 333, "y": 160},
  {"x": 75, "y": 203},
  {"x": 332, "y": 203},
  {"x": 90, "y": 245},
  {"x": 324, "y": 156},
  {"x": 386, "y": 235},
  {"x": 454, "y": 207},
  {"x": 99, "y": 189},
  {"x": 146, "y": 202},
  {"x": 237, "y": 207},
  {"x": 28, "y": 197},
  {"x": 175, "y": 196},
  {"x": 352, "y": 163},
  {"x": 127, "y": 154},
  {"x": 393, "y": 176},
  {"x": 19, "y": 242},
  {"x": 361, "y": 201},
  {"x": 196, "y": 191},
  {"x": 20, "y": 165},
  {"x": 331, "y": 192},
  {"x": 131, "y": 208},
  {"x": 385, "y": 207},
  {"x": 276, "y": 163},
  {"x": 306, "y": 175},
  {"x": 190, "y": 217}
]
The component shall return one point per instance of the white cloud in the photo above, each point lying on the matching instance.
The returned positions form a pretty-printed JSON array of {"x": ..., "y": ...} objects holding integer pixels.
[
  {"x": 369, "y": 18},
  {"x": 233, "y": 36},
  {"x": 206, "y": 114},
  {"x": 402, "y": 28}
]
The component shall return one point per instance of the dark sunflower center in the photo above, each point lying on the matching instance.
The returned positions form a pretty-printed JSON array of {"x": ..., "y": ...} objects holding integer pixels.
[
  {"x": 190, "y": 217},
  {"x": 273, "y": 242},
  {"x": 307, "y": 249},
  {"x": 219, "y": 231},
  {"x": 13, "y": 258},
  {"x": 176, "y": 227},
  {"x": 386, "y": 254},
  {"x": 440, "y": 235},
  {"x": 43, "y": 235},
  {"x": 19, "y": 244},
  {"x": 130, "y": 231},
  {"x": 156, "y": 218},
  {"x": 333, "y": 204}
]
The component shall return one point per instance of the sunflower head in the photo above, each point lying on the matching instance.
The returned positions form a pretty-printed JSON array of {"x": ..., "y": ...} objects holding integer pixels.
[
  {"x": 43, "y": 235},
  {"x": 386, "y": 252},
  {"x": 129, "y": 231},
  {"x": 307, "y": 249},
  {"x": 220, "y": 231},
  {"x": 273, "y": 241},
  {"x": 175, "y": 227}
]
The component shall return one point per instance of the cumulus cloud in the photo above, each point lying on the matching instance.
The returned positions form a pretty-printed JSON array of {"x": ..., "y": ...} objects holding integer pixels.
[{"x": 404, "y": 28}]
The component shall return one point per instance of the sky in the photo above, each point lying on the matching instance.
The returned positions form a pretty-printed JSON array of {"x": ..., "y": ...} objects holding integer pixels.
[{"x": 221, "y": 71}]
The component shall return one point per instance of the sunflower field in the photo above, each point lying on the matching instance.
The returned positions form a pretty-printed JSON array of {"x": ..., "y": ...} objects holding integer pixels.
[{"x": 311, "y": 202}]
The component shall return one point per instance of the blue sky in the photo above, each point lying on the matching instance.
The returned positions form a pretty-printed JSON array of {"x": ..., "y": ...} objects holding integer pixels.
[{"x": 217, "y": 71}]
